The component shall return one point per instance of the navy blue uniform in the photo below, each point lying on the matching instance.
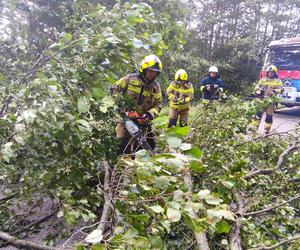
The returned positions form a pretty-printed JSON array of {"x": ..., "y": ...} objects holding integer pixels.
[{"x": 214, "y": 83}]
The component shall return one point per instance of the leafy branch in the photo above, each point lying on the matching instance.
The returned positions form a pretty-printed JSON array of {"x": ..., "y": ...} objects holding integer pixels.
[
  {"x": 268, "y": 209},
  {"x": 295, "y": 238},
  {"x": 279, "y": 164}
]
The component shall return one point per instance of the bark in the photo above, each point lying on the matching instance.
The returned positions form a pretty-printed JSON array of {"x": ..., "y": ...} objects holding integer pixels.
[
  {"x": 22, "y": 244},
  {"x": 200, "y": 237},
  {"x": 106, "y": 212},
  {"x": 235, "y": 234}
]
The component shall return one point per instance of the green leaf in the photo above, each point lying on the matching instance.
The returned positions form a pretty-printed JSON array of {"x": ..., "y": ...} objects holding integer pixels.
[
  {"x": 167, "y": 225},
  {"x": 181, "y": 131},
  {"x": 88, "y": 216},
  {"x": 67, "y": 37},
  {"x": 98, "y": 247},
  {"x": 162, "y": 182},
  {"x": 224, "y": 242},
  {"x": 173, "y": 215},
  {"x": 196, "y": 225},
  {"x": 174, "y": 142},
  {"x": 60, "y": 214},
  {"x": 98, "y": 93},
  {"x": 194, "y": 152},
  {"x": 83, "y": 105},
  {"x": 204, "y": 193},
  {"x": 220, "y": 213},
  {"x": 156, "y": 242},
  {"x": 158, "y": 51},
  {"x": 29, "y": 116},
  {"x": 175, "y": 164},
  {"x": 223, "y": 227},
  {"x": 143, "y": 174},
  {"x": 108, "y": 101},
  {"x": 196, "y": 166},
  {"x": 81, "y": 247},
  {"x": 213, "y": 200},
  {"x": 84, "y": 126},
  {"x": 185, "y": 146},
  {"x": 7, "y": 151},
  {"x": 157, "y": 209},
  {"x": 140, "y": 217},
  {"x": 133, "y": 19},
  {"x": 228, "y": 184},
  {"x": 129, "y": 234},
  {"x": 156, "y": 37},
  {"x": 94, "y": 237},
  {"x": 137, "y": 43}
]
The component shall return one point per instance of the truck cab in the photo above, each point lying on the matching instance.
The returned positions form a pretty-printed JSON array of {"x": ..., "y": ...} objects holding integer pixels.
[{"x": 285, "y": 55}]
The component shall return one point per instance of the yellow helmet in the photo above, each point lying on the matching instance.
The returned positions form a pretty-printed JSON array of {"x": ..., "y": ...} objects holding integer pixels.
[
  {"x": 272, "y": 68},
  {"x": 151, "y": 62},
  {"x": 181, "y": 75}
]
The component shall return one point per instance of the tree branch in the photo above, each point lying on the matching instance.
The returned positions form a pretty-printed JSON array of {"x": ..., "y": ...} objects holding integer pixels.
[
  {"x": 265, "y": 136},
  {"x": 41, "y": 61},
  {"x": 284, "y": 154},
  {"x": 296, "y": 237},
  {"x": 77, "y": 232},
  {"x": 279, "y": 164},
  {"x": 106, "y": 211},
  {"x": 200, "y": 237},
  {"x": 272, "y": 207},
  {"x": 36, "y": 223},
  {"x": 7, "y": 198},
  {"x": 235, "y": 234},
  {"x": 23, "y": 244}
]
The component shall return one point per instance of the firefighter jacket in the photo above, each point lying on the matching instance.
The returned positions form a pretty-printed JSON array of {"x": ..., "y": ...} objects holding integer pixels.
[
  {"x": 268, "y": 87},
  {"x": 180, "y": 95},
  {"x": 146, "y": 98}
]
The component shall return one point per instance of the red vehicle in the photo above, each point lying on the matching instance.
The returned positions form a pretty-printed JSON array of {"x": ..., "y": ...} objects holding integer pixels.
[{"x": 285, "y": 55}]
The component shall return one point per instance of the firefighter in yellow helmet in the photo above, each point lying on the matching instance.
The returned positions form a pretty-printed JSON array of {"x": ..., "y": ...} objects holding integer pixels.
[
  {"x": 268, "y": 86},
  {"x": 180, "y": 94},
  {"x": 144, "y": 93}
]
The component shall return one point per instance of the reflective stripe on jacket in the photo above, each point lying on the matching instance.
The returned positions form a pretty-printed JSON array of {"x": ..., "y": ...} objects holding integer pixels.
[
  {"x": 183, "y": 92},
  {"x": 146, "y": 98},
  {"x": 270, "y": 86}
]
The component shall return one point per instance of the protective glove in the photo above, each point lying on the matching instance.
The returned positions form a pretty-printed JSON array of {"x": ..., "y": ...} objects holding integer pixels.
[
  {"x": 147, "y": 117},
  {"x": 179, "y": 101},
  {"x": 187, "y": 99}
]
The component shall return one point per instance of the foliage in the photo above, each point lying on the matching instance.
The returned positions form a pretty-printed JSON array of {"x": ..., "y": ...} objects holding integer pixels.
[
  {"x": 57, "y": 129},
  {"x": 57, "y": 124},
  {"x": 228, "y": 158}
]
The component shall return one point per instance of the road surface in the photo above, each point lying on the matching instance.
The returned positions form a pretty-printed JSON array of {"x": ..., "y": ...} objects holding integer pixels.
[{"x": 284, "y": 119}]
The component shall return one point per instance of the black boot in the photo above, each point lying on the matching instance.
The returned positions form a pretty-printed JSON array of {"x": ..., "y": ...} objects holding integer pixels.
[{"x": 172, "y": 122}]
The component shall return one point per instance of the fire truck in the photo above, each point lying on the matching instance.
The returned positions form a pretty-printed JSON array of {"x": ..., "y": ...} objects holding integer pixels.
[{"x": 285, "y": 55}]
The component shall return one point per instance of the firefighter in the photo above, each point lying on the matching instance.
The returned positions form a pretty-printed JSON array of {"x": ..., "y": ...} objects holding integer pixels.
[
  {"x": 211, "y": 86},
  {"x": 145, "y": 94},
  {"x": 180, "y": 94},
  {"x": 268, "y": 86}
]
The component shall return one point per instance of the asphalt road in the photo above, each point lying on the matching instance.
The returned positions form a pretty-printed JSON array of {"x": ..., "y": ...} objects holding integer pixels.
[{"x": 285, "y": 119}]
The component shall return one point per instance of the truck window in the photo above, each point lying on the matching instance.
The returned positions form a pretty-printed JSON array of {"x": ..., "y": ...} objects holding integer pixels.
[{"x": 284, "y": 57}]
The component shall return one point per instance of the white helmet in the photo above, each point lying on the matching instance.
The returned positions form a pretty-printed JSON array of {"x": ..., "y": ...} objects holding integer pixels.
[{"x": 213, "y": 69}]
